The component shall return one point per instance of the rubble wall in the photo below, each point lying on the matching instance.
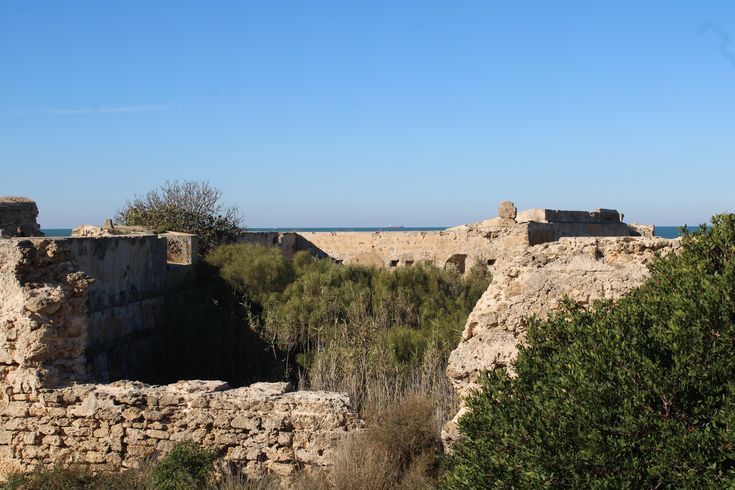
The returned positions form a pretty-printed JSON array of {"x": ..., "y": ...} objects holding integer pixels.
[{"x": 261, "y": 429}]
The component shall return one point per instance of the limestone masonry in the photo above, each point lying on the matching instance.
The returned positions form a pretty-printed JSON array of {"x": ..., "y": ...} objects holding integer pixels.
[{"x": 78, "y": 317}]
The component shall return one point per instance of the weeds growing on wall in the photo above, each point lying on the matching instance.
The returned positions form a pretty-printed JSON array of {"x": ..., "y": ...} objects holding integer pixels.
[{"x": 378, "y": 335}]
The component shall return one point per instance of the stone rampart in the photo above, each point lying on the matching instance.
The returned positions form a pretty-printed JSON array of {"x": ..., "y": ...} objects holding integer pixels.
[{"x": 462, "y": 247}]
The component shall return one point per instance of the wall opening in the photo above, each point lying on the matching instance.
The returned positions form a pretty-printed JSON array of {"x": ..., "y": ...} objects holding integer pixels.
[{"x": 456, "y": 262}]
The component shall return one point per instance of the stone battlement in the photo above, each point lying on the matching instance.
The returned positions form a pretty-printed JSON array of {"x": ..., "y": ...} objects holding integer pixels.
[{"x": 556, "y": 216}]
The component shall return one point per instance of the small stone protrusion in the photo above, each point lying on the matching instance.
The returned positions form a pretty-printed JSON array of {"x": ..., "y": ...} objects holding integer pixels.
[
  {"x": 108, "y": 225},
  {"x": 507, "y": 210}
]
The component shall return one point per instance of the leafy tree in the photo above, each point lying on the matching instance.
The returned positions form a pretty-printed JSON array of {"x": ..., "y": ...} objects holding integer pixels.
[
  {"x": 187, "y": 206},
  {"x": 636, "y": 394}
]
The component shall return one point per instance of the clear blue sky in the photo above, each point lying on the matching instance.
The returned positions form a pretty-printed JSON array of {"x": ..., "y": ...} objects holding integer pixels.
[{"x": 340, "y": 114}]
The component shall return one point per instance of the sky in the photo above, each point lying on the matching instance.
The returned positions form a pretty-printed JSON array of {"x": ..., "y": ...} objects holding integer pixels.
[{"x": 341, "y": 113}]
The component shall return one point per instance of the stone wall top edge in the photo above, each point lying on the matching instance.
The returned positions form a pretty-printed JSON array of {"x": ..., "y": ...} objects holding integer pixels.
[
  {"x": 192, "y": 388},
  {"x": 16, "y": 199},
  {"x": 78, "y": 238}
]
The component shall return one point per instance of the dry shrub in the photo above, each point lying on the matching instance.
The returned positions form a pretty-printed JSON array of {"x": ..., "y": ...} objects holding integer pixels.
[
  {"x": 400, "y": 449},
  {"x": 70, "y": 477}
]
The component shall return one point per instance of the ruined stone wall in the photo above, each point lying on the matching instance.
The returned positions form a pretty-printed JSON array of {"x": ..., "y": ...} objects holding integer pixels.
[
  {"x": 460, "y": 247},
  {"x": 18, "y": 217},
  {"x": 49, "y": 411},
  {"x": 533, "y": 283},
  {"x": 464, "y": 246},
  {"x": 43, "y": 322},
  {"x": 261, "y": 429}
]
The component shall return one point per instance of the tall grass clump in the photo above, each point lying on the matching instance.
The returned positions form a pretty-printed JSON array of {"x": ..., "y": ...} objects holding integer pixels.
[{"x": 400, "y": 448}]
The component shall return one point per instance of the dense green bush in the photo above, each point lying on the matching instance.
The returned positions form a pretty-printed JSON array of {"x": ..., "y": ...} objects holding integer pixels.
[
  {"x": 376, "y": 334},
  {"x": 252, "y": 270},
  {"x": 638, "y": 394},
  {"x": 188, "y": 206}
]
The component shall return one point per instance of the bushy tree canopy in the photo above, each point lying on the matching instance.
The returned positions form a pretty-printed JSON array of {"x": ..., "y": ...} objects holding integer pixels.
[
  {"x": 638, "y": 394},
  {"x": 187, "y": 206}
]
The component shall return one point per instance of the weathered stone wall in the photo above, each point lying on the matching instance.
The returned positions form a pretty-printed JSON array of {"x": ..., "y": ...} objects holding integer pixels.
[
  {"x": 460, "y": 248},
  {"x": 43, "y": 322},
  {"x": 533, "y": 283},
  {"x": 47, "y": 312},
  {"x": 125, "y": 303},
  {"x": 464, "y": 246},
  {"x": 259, "y": 429},
  {"x": 18, "y": 217}
]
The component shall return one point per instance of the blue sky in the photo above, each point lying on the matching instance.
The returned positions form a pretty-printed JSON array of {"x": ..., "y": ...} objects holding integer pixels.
[{"x": 340, "y": 114}]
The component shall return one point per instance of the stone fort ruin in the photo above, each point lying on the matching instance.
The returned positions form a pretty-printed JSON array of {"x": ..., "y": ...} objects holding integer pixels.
[{"x": 79, "y": 316}]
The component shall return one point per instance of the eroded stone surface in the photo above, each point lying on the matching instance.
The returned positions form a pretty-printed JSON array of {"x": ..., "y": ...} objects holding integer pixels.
[
  {"x": 259, "y": 429},
  {"x": 18, "y": 217},
  {"x": 533, "y": 283}
]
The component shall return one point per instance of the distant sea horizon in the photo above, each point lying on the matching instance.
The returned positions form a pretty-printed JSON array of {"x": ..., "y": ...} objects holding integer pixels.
[{"x": 660, "y": 231}]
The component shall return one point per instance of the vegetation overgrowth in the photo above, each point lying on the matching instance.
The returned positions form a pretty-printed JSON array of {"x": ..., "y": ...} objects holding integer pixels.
[
  {"x": 378, "y": 335},
  {"x": 634, "y": 394},
  {"x": 186, "y": 206}
]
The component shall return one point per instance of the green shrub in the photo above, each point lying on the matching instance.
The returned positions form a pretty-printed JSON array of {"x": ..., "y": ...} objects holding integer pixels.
[
  {"x": 187, "y": 206},
  {"x": 187, "y": 467},
  {"x": 253, "y": 270},
  {"x": 378, "y": 335},
  {"x": 406, "y": 344},
  {"x": 77, "y": 477},
  {"x": 637, "y": 394}
]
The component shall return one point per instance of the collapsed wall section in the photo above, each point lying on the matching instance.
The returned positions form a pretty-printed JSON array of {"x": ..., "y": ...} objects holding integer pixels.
[{"x": 43, "y": 322}]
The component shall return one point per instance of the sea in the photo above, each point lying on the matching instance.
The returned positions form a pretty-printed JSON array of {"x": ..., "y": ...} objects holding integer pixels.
[{"x": 662, "y": 231}]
